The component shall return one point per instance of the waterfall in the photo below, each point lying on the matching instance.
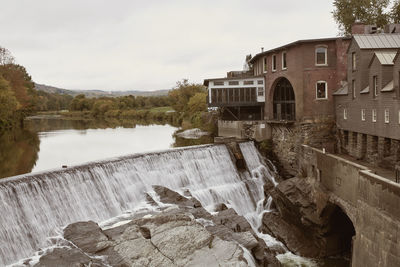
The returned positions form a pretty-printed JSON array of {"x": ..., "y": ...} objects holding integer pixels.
[{"x": 35, "y": 206}]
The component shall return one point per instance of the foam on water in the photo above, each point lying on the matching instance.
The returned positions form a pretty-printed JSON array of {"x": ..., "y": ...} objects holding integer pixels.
[{"x": 36, "y": 206}]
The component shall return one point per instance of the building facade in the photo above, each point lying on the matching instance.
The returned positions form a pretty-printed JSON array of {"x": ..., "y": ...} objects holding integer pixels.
[
  {"x": 368, "y": 106},
  {"x": 300, "y": 78}
]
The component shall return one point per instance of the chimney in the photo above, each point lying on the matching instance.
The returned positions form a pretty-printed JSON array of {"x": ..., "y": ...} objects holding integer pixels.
[
  {"x": 262, "y": 49},
  {"x": 360, "y": 28}
]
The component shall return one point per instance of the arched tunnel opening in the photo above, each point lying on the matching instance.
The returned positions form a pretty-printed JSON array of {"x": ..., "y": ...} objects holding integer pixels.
[{"x": 340, "y": 236}]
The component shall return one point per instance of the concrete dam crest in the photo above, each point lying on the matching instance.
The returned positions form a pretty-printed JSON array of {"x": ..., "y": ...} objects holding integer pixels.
[{"x": 36, "y": 206}]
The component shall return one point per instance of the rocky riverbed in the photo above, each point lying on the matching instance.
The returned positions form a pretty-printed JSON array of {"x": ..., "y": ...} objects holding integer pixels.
[{"x": 180, "y": 233}]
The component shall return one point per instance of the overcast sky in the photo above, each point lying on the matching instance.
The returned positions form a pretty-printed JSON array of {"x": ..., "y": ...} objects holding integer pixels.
[{"x": 150, "y": 44}]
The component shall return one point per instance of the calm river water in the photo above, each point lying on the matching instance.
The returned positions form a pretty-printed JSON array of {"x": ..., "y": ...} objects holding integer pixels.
[{"x": 48, "y": 142}]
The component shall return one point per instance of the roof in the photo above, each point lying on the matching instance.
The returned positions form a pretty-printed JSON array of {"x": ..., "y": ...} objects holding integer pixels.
[
  {"x": 365, "y": 90},
  {"x": 377, "y": 41},
  {"x": 344, "y": 90},
  {"x": 384, "y": 57},
  {"x": 229, "y": 79},
  {"x": 296, "y": 43},
  {"x": 388, "y": 87}
]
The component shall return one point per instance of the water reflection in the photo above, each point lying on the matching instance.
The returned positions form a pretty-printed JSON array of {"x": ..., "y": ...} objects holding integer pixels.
[
  {"x": 18, "y": 152},
  {"x": 48, "y": 142}
]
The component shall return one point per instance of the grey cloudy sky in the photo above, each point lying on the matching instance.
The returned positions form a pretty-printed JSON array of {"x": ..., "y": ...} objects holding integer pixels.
[{"x": 150, "y": 44}]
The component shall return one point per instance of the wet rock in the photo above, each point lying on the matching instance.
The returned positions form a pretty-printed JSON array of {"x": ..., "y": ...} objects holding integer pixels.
[
  {"x": 85, "y": 234},
  {"x": 220, "y": 207},
  {"x": 172, "y": 197},
  {"x": 232, "y": 220},
  {"x": 68, "y": 257},
  {"x": 302, "y": 222}
]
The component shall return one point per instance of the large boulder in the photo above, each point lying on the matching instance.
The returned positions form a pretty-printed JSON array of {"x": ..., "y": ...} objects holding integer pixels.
[{"x": 303, "y": 218}]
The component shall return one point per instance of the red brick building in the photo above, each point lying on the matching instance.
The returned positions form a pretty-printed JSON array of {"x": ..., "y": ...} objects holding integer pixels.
[{"x": 301, "y": 77}]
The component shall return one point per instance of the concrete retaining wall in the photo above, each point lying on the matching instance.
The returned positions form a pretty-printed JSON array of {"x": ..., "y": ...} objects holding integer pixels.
[
  {"x": 258, "y": 130},
  {"x": 372, "y": 202}
]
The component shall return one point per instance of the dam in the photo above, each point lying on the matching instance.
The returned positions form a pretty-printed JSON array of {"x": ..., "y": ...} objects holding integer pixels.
[{"x": 36, "y": 206}]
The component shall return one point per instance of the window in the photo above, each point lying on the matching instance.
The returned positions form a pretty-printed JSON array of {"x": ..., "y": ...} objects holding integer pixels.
[
  {"x": 284, "y": 65},
  {"x": 375, "y": 85},
  {"x": 386, "y": 116},
  {"x": 273, "y": 62},
  {"x": 248, "y": 82},
  {"x": 260, "y": 91},
  {"x": 353, "y": 88},
  {"x": 321, "y": 56},
  {"x": 233, "y": 82},
  {"x": 345, "y": 113},
  {"x": 260, "y": 82},
  {"x": 374, "y": 115},
  {"x": 353, "y": 61},
  {"x": 321, "y": 90},
  {"x": 218, "y": 83},
  {"x": 399, "y": 116},
  {"x": 265, "y": 64},
  {"x": 363, "y": 114}
]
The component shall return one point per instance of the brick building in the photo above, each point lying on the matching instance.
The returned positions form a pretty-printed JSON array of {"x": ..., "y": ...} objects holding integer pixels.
[
  {"x": 368, "y": 105},
  {"x": 300, "y": 78}
]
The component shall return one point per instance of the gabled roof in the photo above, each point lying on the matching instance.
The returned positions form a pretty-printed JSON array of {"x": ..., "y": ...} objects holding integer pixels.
[
  {"x": 384, "y": 57},
  {"x": 344, "y": 90},
  {"x": 378, "y": 41}
]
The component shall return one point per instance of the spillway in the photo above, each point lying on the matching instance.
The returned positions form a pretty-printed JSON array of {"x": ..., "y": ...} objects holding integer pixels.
[{"x": 35, "y": 206}]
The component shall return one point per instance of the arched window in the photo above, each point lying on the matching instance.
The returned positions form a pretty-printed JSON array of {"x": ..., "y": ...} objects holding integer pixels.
[{"x": 284, "y": 104}]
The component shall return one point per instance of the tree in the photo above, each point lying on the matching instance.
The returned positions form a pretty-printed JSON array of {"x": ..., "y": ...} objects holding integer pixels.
[
  {"x": 5, "y": 57},
  {"x": 347, "y": 12},
  {"x": 197, "y": 103},
  {"x": 180, "y": 95},
  {"x": 8, "y": 104}
]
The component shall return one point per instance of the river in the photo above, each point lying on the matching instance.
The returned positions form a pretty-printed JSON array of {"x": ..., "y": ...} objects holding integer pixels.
[{"x": 48, "y": 142}]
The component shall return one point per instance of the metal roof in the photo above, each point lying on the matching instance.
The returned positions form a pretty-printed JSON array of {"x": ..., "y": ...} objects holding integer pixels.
[
  {"x": 377, "y": 41},
  {"x": 365, "y": 90},
  {"x": 385, "y": 57},
  {"x": 344, "y": 90},
  {"x": 388, "y": 87}
]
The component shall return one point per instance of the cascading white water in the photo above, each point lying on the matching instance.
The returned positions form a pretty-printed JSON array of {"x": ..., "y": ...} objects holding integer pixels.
[{"x": 35, "y": 206}]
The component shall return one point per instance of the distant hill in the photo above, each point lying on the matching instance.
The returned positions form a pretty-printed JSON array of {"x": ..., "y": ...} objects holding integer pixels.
[{"x": 98, "y": 93}]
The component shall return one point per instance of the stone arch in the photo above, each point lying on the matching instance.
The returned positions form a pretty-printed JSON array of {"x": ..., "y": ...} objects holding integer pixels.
[
  {"x": 341, "y": 232},
  {"x": 283, "y": 100}
]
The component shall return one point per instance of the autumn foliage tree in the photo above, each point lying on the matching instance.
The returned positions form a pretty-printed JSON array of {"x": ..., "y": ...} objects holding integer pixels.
[{"x": 376, "y": 12}]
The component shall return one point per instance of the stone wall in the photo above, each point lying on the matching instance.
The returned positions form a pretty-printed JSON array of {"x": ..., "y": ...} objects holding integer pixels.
[
  {"x": 370, "y": 201},
  {"x": 288, "y": 138}
]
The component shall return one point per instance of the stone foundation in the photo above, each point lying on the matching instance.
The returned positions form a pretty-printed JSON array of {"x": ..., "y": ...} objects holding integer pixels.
[
  {"x": 287, "y": 139},
  {"x": 379, "y": 151}
]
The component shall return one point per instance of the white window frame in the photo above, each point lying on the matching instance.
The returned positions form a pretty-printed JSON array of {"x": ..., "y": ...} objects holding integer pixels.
[
  {"x": 326, "y": 90},
  {"x": 374, "y": 115},
  {"x": 399, "y": 116},
  {"x": 326, "y": 56},
  {"x": 284, "y": 56},
  {"x": 265, "y": 64},
  {"x": 345, "y": 113},
  {"x": 272, "y": 63},
  {"x": 387, "y": 118},
  {"x": 260, "y": 90},
  {"x": 363, "y": 114},
  {"x": 353, "y": 61},
  {"x": 375, "y": 84},
  {"x": 353, "y": 88}
]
